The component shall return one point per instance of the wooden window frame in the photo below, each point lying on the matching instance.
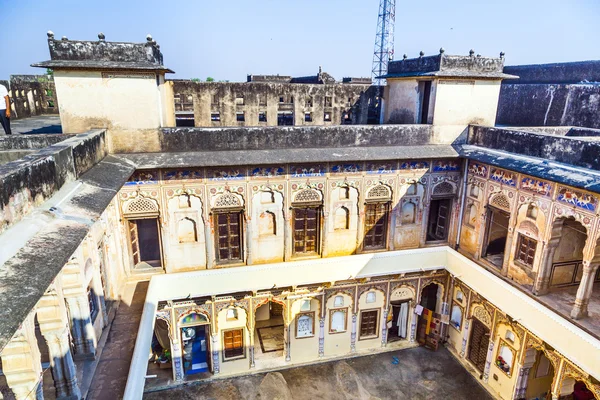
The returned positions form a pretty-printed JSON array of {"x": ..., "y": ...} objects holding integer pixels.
[
  {"x": 308, "y": 313},
  {"x": 518, "y": 252},
  {"x": 243, "y": 348},
  {"x": 448, "y": 225},
  {"x": 376, "y": 334},
  {"x": 504, "y": 343},
  {"x": 216, "y": 215},
  {"x": 386, "y": 224},
  {"x": 333, "y": 311},
  {"x": 318, "y": 218},
  {"x": 462, "y": 315},
  {"x": 136, "y": 256}
]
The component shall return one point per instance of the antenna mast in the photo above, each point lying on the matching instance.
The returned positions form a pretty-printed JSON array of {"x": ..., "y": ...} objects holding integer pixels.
[{"x": 384, "y": 40}]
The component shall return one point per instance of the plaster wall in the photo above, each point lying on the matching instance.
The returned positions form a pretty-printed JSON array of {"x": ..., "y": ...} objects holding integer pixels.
[
  {"x": 378, "y": 304},
  {"x": 129, "y": 105},
  {"x": 506, "y": 381},
  {"x": 338, "y": 343},
  {"x": 402, "y": 102},
  {"x": 236, "y": 365},
  {"x": 307, "y": 348}
]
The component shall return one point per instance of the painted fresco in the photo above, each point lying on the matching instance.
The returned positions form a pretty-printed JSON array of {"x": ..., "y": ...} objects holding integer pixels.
[
  {"x": 577, "y": 198},
  {"x": 143, "y": 177},
  {"x": 446, "y": 166},
  {"x": 381, "y": 168},
  {"x": 226, "y": 174},
  {"x": 414, "y": 165},
  {"x": 267, "y": 172},
  {"x": 478, "y": 169},
  {"x": 536, "y": 186},
  {"x": 181, "y": 174},
  {"x": 347, "y": 168},
  {"x": 502, "y": 176},
  {"x": 305, "y": 171}
]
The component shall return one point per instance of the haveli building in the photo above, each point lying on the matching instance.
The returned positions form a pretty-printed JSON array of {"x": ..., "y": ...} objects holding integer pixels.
[{"x": 270, "y": 246}]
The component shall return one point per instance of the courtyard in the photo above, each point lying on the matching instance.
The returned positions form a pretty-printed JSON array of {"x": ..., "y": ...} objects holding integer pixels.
[{"x": 415, "y": 373}]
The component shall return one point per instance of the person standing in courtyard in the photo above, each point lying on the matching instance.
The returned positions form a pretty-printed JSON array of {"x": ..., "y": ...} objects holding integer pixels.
[{"x": 5, "y": 110}]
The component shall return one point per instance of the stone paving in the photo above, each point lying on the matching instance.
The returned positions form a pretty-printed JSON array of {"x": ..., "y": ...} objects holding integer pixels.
[
  {"x": 420, "y": 374},
  {"x": 110, "y": 378},
  {"x": 35, "y": 125}
]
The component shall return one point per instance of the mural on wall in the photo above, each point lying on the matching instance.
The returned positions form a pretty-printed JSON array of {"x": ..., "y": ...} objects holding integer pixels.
[
  {"x": 502, "y": 176},
  {"x": 414, "y": 165},
  {"x": 267, "y": 172},
  {"x": 478, "y": 169},
  {"x": 305, "y": 171},
  {"x": 446, "y": 165},
  {"x": 385, "y": 167},
  {"x": 181, "y": 174},
  {"x": 143, "y": 177},
  {"x": 225, "y": 174},
  {"x": 346, "y": 168},
  {"x": 536, "y": 186},
  {"x": 577, "y": 198}
]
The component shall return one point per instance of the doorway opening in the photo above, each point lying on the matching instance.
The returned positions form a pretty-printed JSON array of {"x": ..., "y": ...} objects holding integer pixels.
[
  {"x": 429, "y": 301},
  {"x": 439, "y": 219},
  {"x": 269, "y": 331},
  {"x": 479, "y": 343},
  {"x": 495, "y": 236},
  {"x": 540, "y": 377},
  {"x": 145, "y": 243},
  {"x": 425, "y": 89},
  {"x": 400, "y": 314},
  {"x": 194, "y": 331}
]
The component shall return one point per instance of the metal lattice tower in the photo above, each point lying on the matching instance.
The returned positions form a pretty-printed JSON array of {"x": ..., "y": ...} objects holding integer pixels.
[{"x": 384, "y": 40}]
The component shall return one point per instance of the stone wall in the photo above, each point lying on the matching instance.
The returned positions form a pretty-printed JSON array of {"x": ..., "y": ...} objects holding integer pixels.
[
  {"x": 216, "y": 104},
  {"x": 31, "y": 95}
]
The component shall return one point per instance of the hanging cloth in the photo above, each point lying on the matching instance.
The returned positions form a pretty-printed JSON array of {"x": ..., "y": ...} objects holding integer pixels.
[{"x": 402, "y": 320}]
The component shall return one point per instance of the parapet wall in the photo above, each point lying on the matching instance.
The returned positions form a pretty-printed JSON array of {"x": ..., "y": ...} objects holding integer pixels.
[
  {"x": 31, "y": 95},
  {"x": 28, "y": 182},
  {"x": 568, "y": 150},
  {"x": 273, "y": 138}
]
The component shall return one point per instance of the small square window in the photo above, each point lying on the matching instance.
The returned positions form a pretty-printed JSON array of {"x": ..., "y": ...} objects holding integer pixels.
[
  {"x": 371, "y": 297},
  {"x": 327, "y": 117},
  {"x": 305, "y": 305},
  {"x": 309, "y": 101},
  {"x": 307, "y": 117},
  {"x": 239, "y": 100},
  {"x": 328, "y": 101},
  {"x": 232, "y": 314},
  {"x": 239, "y": 117},
  {"x": 281, "y": 99},
  {"x": 215, "y": 117},
  {"x": 338, "y": 301},
  {"x": 262, "y": 116}
]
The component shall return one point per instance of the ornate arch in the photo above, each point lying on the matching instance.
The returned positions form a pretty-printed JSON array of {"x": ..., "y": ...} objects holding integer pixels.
[
  {"x": 429, "y": 281},
  {"x": 140, "y": 206},
  {"x": 379, "y": 192},
  {"x": 500, "y": 200},
  {"x": 479, "y": 312},
  {"x": 410, "y": 288},
  {"x": 530, "y": 227},
  {"x": 348, "y": 291},
  {"x": 165, "y": 315},
  {"x": 380, "y": 287},
  {"x": 537, "y": 344},
  {"x": 308, "y": 196},
  {"x": 228, "y": 200},
  {"x": 181, "y": 314},
  {"x": 443, "y": 188}
]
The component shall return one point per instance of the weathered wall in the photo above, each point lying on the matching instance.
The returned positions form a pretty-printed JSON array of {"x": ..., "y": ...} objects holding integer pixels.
[
  {"x": 549, "y": 105},
  {"x": 26, "y": 183},
  {"x": 200, "y": 100},
  {"x": 126, "y": 104},
  {"x": 402, "y": 102},
  {"x": 31, "y": 95}
]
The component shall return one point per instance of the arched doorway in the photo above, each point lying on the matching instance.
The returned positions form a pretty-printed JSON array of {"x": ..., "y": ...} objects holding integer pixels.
[
  {"x": 269, "y": 331},
  {"x": 540, "y": 375},
  {"x": 428, "y": 332},
  {"x": 496, "y": 232},
  {"x": 567, "y": 266},
  {"x": 194, "y": 331},
  {"x": 400, "y": 312},
  {"x": 478, "y": 344}
]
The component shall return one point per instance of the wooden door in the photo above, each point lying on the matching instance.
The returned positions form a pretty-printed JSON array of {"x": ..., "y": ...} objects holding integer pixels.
[{"x": 478, "y": 347}]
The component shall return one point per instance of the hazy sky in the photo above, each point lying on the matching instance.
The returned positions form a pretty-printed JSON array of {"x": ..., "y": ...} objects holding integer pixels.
[{"x": 229, "y": 39}]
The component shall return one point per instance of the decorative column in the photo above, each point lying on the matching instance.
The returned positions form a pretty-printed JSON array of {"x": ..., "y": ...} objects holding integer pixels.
[
  {"x": 413, "y": 322},
  {"x": 215, "y": 353},
  {"x": 288, "y": 240},
  {"x": 21, "y": 363},
  {"x": 523, "y": 377},
  {"x": 353, "y": 334},
  {"x": 249, "y": 239},
  {"x": 384, "y": 330},
  {"x": 177, "y": 358},
  {"x": 288, "y": 349},
  {"x": 463, "y": 349},
  {"x": 210, "y": 242},
  {"x": 542, "y": 284},
  {"x": 321, "y": 337},
  {"x": 488, "y": 360},
  {"x": 557, "y": 382},
  {"x": 584, "y": 291}
]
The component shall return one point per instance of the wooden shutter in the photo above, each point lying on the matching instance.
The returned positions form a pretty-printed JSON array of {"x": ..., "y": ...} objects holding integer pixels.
[
  {"x": 478, "y": 348},
  {"x": 306, "y": 230},
  {"x": 368, "y": 323},
  {"x": 233, "y": 342},
  {"x": 442, "y": 220},
  {"x": 228, "y": 231},
  {"x": 133, "y": 238},
  {"x": 376, "y": 219},
  {"x": 526, "y": 250}
]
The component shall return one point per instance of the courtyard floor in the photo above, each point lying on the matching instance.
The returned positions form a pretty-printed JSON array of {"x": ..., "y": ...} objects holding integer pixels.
[
  {"x": 420, "y": 374},
  {"x": 36, "y": 125}
]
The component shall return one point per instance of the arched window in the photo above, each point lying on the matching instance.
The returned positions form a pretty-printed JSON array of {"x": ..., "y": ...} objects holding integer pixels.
[
  {"x": 459, "y": 295},
  {"x": 471, "y": 215},
  {"x": 474, "y": 190},
  {"x": 377, "y": 210},
  {"x": 408, "y": 213},
  {"x": 371, "y": 297},
  {"x": 267, "y": 225},
  {"x": 338, "y": 301},
  {"x": 306, "y": 217},
  {"x": 227, "y": 221},
  {"x": 341, "y": 220},
  {"x": 510, "y": 336},
  {"x": 456, "y": 316},
  {"x": 532, "y": 211},
  {"x": 412, "y": 189},
  {"x": 184, "y": 201},
  {"x": 337, "y": 321},
  {"x": 504, "y": 361}
]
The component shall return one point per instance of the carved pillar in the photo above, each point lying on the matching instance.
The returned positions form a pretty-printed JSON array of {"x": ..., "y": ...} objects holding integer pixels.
[
  {"x": 288, "y": 240},
  {"x": 215, "y": 353},
  {"x": 488, "y": 360},
  {"x": 523, "y": 377},
  {"x": 508, "y": 247},
  {"x": 353, "y": 334},
  {"x": 557, "y": 382},
  {"x": 249, "y": 239},
  {"x": 177, "y": 358},
  {"x": 542, "y": 283},
  {"x": 321, "y": 337},
  {"x": 210, "y": 242},
  {"x": 413, "y": 322},
  {"x": 251, "y": 330},
  {"x": 288, "y": 342},
  {"x": 584, "y": 291},
  {"x": 21, "y": 363},
  {"x": 463, "y": 349},
  {"x": 384, "y": 330}
]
